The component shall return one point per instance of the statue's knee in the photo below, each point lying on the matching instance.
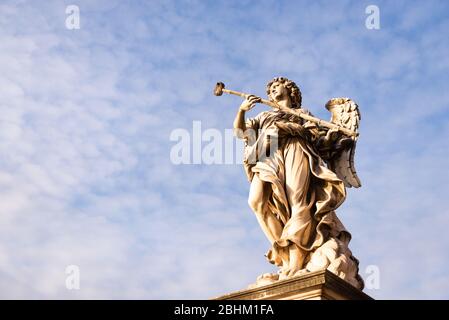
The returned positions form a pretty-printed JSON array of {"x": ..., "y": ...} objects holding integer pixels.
[
  {"x": 255, "y": 204},
  {"x": 252, "y": 203}
]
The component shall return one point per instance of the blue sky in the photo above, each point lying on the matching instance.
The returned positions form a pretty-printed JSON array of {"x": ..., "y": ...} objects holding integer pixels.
[{"x": 86, "y": 115}]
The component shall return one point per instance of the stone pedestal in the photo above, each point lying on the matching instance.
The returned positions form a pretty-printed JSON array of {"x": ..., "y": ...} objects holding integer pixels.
[{"x": 319, "y": 285}]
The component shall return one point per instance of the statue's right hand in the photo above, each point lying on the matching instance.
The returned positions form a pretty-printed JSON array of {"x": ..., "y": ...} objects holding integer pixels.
[{"x": 249, "y": 102}]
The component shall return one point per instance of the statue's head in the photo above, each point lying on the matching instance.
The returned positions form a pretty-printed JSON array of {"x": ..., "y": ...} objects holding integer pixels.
[{"x": 279, "y": 86}]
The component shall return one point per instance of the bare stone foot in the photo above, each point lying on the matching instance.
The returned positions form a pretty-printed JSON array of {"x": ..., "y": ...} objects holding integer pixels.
[
  {"x": 264, "y": 279},
  {"x": 288, "y": 273},
  {"x": 299, "y": 272}
]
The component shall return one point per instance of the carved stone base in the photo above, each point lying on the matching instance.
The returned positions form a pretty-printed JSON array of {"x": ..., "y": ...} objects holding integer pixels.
[{"x": 319, "y": 285}]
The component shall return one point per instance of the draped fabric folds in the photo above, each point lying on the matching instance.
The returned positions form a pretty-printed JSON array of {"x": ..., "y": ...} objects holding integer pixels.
[{"x": 304, "y": 192}]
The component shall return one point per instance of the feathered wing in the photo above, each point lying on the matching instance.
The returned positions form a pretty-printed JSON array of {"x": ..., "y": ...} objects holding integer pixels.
[{"x": 345, "y": 113}]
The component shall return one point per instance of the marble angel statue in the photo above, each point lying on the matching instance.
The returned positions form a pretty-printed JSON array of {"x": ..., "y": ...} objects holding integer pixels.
[{"x": 299, "y": 168}]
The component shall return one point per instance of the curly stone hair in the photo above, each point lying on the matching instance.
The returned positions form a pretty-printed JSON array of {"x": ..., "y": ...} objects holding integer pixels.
[{"x": 292, "y": 88}]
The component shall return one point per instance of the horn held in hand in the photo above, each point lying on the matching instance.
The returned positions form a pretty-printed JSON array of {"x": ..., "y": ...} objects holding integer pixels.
[{"x": 220, "y": 88}]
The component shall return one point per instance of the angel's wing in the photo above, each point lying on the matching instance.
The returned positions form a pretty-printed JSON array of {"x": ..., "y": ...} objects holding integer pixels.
[{"x": 345, "y": 113}]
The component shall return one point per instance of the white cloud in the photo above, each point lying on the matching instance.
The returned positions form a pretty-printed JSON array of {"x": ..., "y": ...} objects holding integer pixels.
[{"x": 85, "y": 117}]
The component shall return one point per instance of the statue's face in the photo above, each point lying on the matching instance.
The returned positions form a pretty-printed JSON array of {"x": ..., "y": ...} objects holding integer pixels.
[{"x": 278, "y": 91}]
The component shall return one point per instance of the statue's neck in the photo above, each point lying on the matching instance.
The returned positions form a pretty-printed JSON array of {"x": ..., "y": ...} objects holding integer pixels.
[{"x": 285, "y": 103}]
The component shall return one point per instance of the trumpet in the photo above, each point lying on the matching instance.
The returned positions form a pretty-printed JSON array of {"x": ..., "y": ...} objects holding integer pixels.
[{"x": 220, "y": 88}]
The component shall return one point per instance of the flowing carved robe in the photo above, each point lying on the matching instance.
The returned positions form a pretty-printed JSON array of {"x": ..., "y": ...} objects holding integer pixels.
[{"x": 304, "y": 192}]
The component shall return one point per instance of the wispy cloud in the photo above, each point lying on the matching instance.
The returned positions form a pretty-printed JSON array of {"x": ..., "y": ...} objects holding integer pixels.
[{"x": 86, "y": 115}]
